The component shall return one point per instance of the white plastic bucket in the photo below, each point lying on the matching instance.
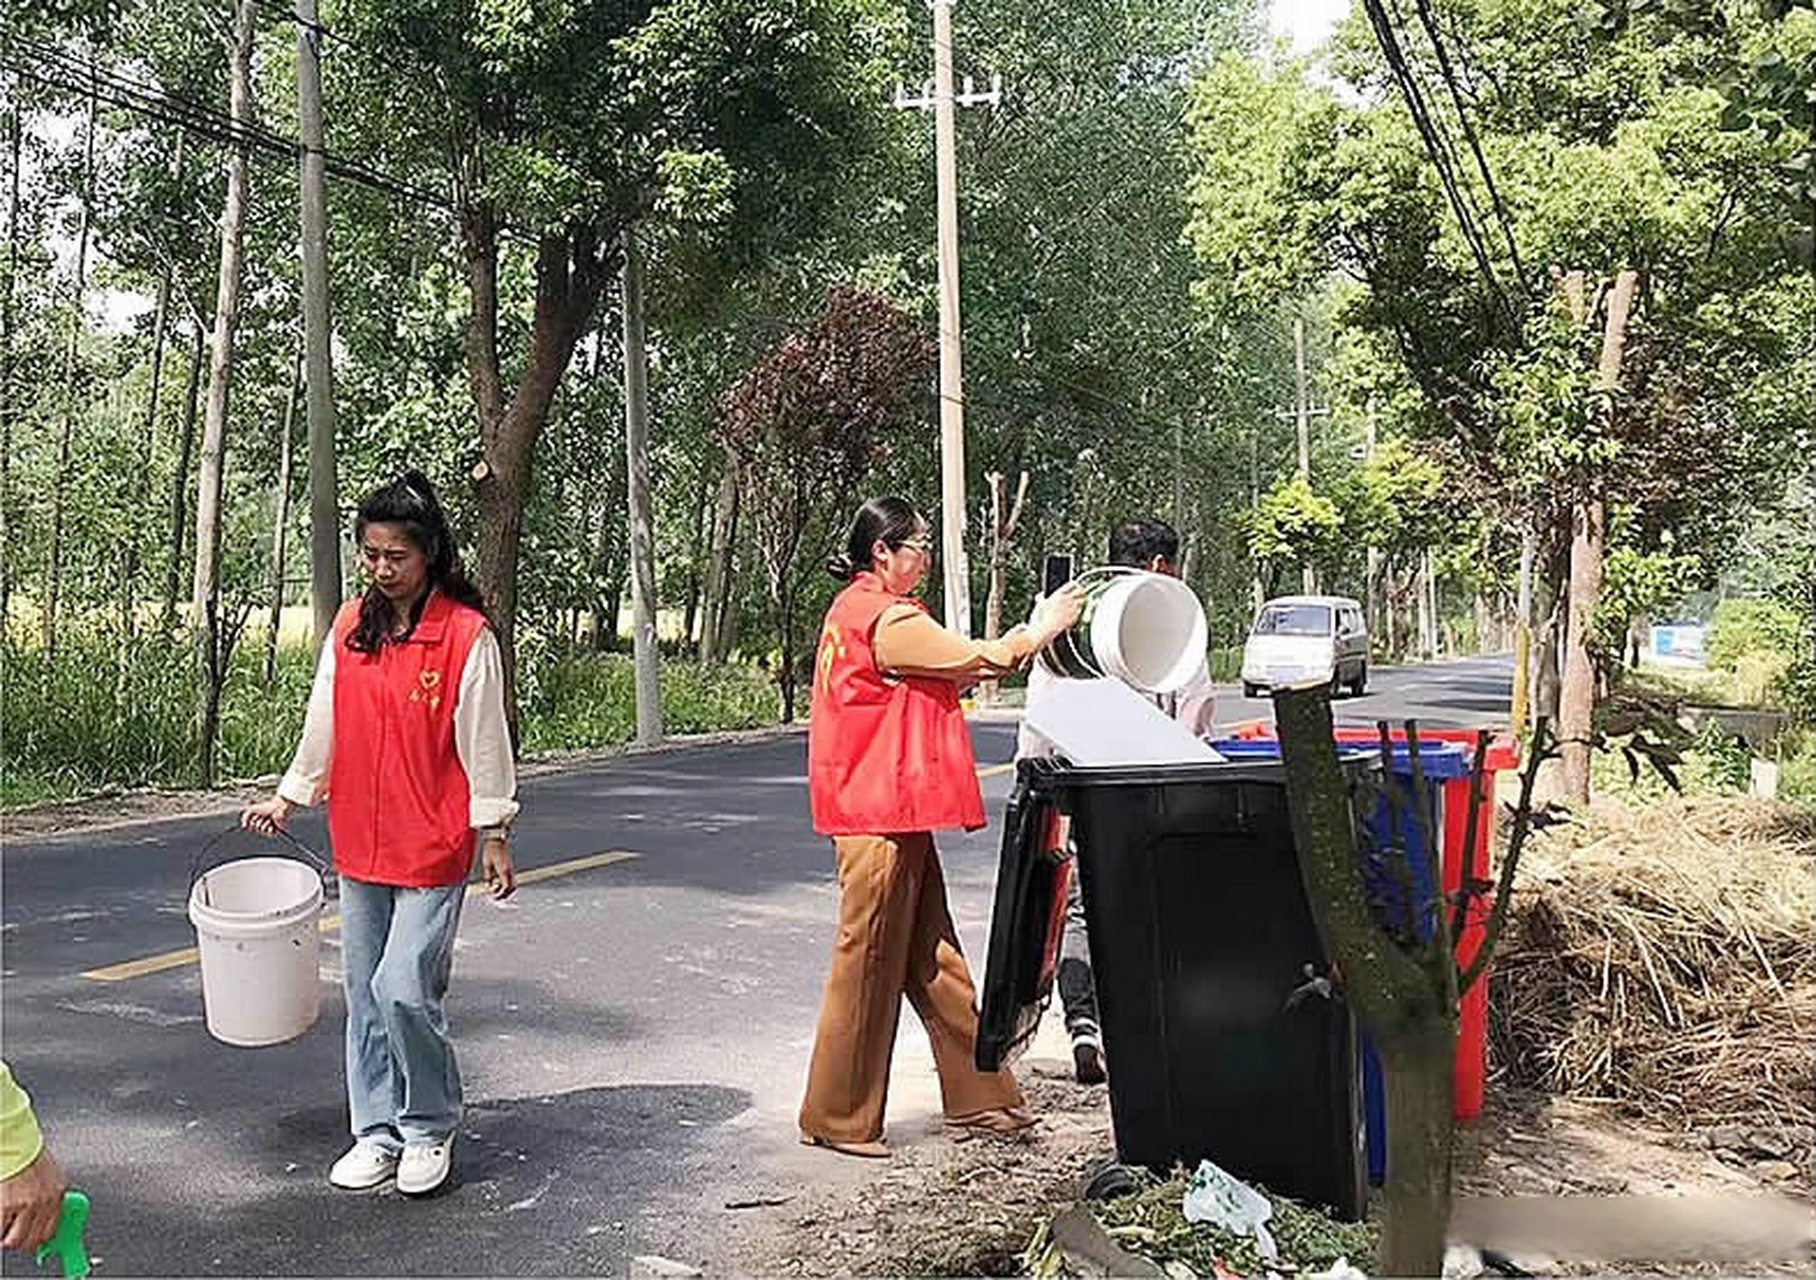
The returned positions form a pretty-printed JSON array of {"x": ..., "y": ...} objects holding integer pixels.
[
  {"x": 256, "y": 928},
  {"x": 1148, "y": 631}
]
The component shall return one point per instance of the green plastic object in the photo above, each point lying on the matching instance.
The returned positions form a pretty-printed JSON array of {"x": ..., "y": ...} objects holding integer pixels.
[{"x": 67, "y": 1244}]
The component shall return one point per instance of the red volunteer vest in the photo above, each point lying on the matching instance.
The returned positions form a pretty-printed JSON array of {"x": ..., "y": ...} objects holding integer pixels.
[
  {"x": 398, "y": 799},
  {"x": 885, "y": 754}
]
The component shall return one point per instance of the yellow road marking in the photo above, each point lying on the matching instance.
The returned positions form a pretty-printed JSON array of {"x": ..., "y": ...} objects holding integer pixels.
[
  {"x": 567, "y": 868},
  {"x": 327, "y": 924}
]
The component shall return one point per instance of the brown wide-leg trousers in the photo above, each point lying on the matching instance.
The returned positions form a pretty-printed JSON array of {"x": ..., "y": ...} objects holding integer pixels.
[{"x": 895, "y": 939}]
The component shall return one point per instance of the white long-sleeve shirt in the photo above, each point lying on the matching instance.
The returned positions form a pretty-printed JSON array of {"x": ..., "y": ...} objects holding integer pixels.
[{"x": 481, "y": 737}]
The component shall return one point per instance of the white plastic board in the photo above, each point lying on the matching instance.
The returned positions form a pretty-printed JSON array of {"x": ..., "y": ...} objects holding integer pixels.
[{"x": 1104, "y": 722}]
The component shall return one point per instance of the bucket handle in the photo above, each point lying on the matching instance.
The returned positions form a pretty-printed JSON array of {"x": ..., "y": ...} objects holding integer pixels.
[
  {"x": 330, "y": 885},
  {"x": 1063, "y": 655}
]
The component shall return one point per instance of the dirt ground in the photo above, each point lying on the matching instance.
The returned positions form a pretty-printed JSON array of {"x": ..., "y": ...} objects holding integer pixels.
[{"x": 970, "y": 1208}]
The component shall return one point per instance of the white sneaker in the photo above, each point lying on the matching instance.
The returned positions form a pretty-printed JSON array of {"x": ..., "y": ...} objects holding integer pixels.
[
  {"x": 362, "y": 1168},
  {"x": 425, "y": 1166}
]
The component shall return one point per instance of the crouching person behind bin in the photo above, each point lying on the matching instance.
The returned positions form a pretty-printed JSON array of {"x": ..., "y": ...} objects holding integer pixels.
[
  {"x": 1140, "y": 544},
  {"x": 406, "y": 738},
  {"x": 890, "y": 763}
]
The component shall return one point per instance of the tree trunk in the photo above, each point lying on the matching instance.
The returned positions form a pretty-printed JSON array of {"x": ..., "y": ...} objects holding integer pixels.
[
  {"x": 1003, "y": 521},
  {"x": 785, "y": 625},
  {"x": 1406, "y": 999},
  {"x": 318, "y": 332},
  {"x": 53, "y": 572},
  {"x": 1390, "y": 618},
  {"x": 280, "y": 526},
  {"x": 205, "y": 599},
  {"x": 1416, "y": 1076},
  {"x": 9, "y": 405},
  {"x": 644, "y": 654},
  {"x": 570, "y": 272},
  {"x": 603, "y": 629},
  {"x": 1576, "y": 704},
  {"x": 179, "y": 482},
  {"x": 141, "y": 481},
  {"x": 698, "y": 553},
  {"x": 718, "y": 568}
]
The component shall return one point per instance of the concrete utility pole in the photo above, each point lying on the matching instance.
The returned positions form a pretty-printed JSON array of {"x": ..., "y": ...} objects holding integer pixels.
[
  {"x": 1302, "y": 414},
  {"x": 1301, "y": 409},
  {"x": 318, "y": 372},
  {"x": 642, "y": 518},
  {"x": 957, "y": 574},
  {"x": 1522, "y": 636},
  {"x": 1374, "y": 553}
]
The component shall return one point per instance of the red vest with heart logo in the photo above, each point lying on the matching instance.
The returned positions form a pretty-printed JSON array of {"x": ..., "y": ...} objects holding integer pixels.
[
  {"x": 885, "y": 754},
  {"x": 399, "y": 804}
]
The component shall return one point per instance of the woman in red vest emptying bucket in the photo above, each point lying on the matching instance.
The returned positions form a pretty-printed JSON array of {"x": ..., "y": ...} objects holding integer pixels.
[
  {"x": 890, "y": 763},
  {"x": 406, "y": 739}
]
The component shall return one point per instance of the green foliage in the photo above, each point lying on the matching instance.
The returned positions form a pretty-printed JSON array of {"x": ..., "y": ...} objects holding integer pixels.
[
  {"x": 97, "y": 719},
  {"x": 1797, "y": 769},
  {"x": 1638, "y": 585},
  {"x": 581, "y": 701},
  {"x": 1747, "y": 628},
  {"x": 82, "y": 725},
  {"x": 1796, "y": 690},
  {"x": 1709, "y": 762},
  {"x": 1606, "y": 138},
  {"x": 1294, "y": 526},
  {"x": 1151, "y": 1223}
]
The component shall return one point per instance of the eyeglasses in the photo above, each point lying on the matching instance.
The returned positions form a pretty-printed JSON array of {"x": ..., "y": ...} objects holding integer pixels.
[{"x": 923, "y": 545}]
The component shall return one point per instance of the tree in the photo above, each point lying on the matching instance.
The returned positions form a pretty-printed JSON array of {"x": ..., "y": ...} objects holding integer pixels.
[
  {"x": 808, "y": 422},
  {"x": 567, "y": 127},
  {"x": 1293, "y": 527},
  {"x": 1400, "y": 976},
  {"x": 214, "y": 637},
  {"x": 1608, "y": 155}
]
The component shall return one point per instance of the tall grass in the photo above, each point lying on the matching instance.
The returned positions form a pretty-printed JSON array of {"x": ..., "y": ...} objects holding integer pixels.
[
  {"x": 581, "y": 700},
  {"x": 94, "y": 720},
  {"x": 97, "y": 719}
]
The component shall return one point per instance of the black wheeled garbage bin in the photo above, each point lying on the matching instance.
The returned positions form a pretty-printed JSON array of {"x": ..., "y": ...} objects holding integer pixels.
[{"x": 1221, "y": 1041}]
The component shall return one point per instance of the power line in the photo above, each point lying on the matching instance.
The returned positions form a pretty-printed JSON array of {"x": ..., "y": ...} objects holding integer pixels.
[
  {"x": 1437, "y": 148},
  {"x": 73, "y": 73},
  {"x": 1469, "y": 134}
]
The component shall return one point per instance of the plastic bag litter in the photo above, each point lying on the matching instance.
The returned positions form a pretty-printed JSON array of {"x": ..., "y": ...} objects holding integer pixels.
[
  {"x": 1338, "y": 1270},
  {"x": 1213, "y": 1196}
]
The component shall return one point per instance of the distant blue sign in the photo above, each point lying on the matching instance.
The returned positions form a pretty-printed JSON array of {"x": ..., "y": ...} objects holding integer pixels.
[{"x": 1683, "y": 643}]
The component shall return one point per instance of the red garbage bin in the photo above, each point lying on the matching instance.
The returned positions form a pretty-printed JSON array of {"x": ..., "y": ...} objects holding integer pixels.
[{"x": 1472, "y": 1012}]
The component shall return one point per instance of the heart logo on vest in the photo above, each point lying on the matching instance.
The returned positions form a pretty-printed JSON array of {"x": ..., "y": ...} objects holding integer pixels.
[{"x": 430, "y": 692}]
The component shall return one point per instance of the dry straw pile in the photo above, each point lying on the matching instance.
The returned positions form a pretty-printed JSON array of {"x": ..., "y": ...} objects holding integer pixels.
[{"x": 1666, "y": 959}]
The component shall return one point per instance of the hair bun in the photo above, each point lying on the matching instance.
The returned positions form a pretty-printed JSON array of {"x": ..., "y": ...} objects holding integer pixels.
[
  {"x": 419, "y": 484},
  {"x": 840, "y": 567}
]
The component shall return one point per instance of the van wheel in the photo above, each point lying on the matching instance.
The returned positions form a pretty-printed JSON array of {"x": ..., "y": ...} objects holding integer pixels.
[
  {"x": 1250, "y": 690},
  {"x": 1360, "y": 684}
]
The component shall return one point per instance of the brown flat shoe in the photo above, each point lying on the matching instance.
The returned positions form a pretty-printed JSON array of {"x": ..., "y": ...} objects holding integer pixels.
[
  {"x": 864, "y": 1150},
  {"x": 1010, "y": 1123}
]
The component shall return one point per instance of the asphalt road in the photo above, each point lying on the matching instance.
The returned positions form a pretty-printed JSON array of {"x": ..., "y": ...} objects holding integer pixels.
[{"x": 633, "y": 1031}]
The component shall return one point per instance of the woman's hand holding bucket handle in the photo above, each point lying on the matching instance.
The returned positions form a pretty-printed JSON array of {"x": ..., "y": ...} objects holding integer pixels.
[
  {"x": 1056, "y": 613},
  {"x": 267, "y": 817},
  {"x": 495, "y": 863}
]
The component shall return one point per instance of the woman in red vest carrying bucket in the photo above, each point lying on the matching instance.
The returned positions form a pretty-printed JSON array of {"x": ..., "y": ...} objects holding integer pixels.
[
  {"x": 406, "y": 738},
  {"x": 890, "y": 763}
]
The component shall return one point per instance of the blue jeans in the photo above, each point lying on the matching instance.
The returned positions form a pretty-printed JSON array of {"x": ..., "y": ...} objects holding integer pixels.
[{"x": 397, "y": 951}]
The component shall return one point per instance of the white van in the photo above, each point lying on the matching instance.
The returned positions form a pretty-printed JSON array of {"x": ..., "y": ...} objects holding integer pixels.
[{"x": 1303, "y": 639}]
